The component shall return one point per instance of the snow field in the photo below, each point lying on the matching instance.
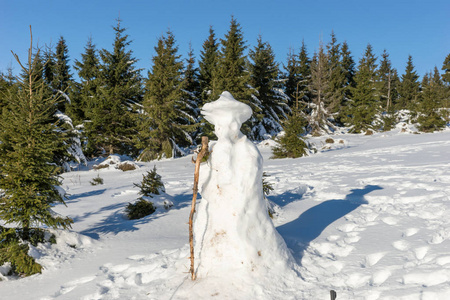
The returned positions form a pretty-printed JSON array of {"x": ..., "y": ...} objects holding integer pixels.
[{"x": 369, "y": 220}]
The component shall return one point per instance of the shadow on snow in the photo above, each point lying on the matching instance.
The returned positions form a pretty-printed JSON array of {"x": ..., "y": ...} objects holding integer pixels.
[
  {"x": 290, "y": 196},
  {"x": 117, "y": 222},
  {"x": 299, "y": 233}
]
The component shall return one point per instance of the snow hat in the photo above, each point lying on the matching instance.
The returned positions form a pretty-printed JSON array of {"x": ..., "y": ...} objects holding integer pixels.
[{"x": 226, "y": 108}]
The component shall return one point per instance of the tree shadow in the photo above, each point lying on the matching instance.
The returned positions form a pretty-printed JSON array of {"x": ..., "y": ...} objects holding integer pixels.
[
  {"x": 72, "y": 198},
  {"x": 117, "y": 222},
  {"x": 299, "y": 233},
  {"x": 290, "y": 195}
]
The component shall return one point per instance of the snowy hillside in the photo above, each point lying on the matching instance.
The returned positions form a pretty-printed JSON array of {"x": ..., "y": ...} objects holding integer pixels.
[{"x": 367, "y": 216}]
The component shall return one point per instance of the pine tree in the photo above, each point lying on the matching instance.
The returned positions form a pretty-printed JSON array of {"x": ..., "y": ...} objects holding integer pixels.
[
  {"x": 112, "y": 123},
  {"x": 337, "y": 79},
  {"x": 163, "y": 127},
  {"x": 364, "y": 104},
  {"x": 30, "y": 137},
  {"x": 409, "y": 87},
  {"x": 209, "y": 57},
  {"x": 319, "y": 87},
  {"x": 264, "y": 79}
]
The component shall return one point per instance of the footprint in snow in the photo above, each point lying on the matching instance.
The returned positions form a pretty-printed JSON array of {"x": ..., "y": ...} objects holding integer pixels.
[
  {"x": 68, "y": 287},
  {"x": 380, "y": 277},
  {"x": 401, "y": 245},
  {"x": 390, "y": 220},
  {"x": 373, "y": 259},
  {"x": 410, "y": 232},
  {"x": 352, "y": 237},
  {"x": 347, "y": 227},
  {"x": 109, "y": 268},
  {"x": 124, "y": 193},
  {"x": 440, "y": 236},
  {"x": 421, "y": 252}
]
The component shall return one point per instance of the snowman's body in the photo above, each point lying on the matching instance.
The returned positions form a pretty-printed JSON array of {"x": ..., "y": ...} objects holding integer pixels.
[{"x": 233, "y": 230}]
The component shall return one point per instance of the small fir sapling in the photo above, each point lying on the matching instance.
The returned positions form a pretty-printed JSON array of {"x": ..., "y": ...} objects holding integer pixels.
[
  {"x": 139, "y": 209},
  {"x": 267, "y": 188},
  {"x": 151, "y": 184},
  {"x": 96, "y": 180}
]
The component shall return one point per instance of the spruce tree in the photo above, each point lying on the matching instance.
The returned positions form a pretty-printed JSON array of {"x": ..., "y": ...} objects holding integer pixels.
[
  {"x": 88, "y": 72},
  {"x": 304, "y": 72},
  {"x": 387, "y": 90},
  {"x": 190, "y": 99},
  {"x": 319, "y": 87},
  {"x": 409, "y": 87},
  {"x": 388, "y": 82},
  {"x": 337, "y": 79},
  {"x": 348, "y": 67},
  {"x": 61, "y": 74},
  {"x": 292, "y": 143},
  {"x": 431, "y": 115},
  {"x": 30, "y": 137},
  {"x": 292, "y": 77},
  {"x": 232, "y": 74},
  {"x": 446, "y": 69},
  {"x": 112, "y": 118},
  {"x": 264, "y": 79},
  {"x": 297, "y": 76},
  {"x": 7, "y": 82},
  {"x": 48, "y": 65},
  {"x": 364, "y": 104},
  {"x": 209, "y": 56},
  {"x": 164, "y": 122},
  {"x": 446, "y": 81}
]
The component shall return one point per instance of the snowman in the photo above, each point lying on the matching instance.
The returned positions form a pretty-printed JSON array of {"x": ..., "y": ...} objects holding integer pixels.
[{"x": 233, "y": 231}]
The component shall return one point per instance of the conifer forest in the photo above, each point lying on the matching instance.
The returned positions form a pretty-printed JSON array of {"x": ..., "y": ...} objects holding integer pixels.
[{"x": 116, "y": 108}]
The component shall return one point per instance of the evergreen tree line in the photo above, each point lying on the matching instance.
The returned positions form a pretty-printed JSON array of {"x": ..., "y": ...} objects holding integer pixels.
[{"x": 117, "y": 110}]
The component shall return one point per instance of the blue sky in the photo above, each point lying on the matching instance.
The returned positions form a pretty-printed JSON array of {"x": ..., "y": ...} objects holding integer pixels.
[{"x": 402, "y": 27}]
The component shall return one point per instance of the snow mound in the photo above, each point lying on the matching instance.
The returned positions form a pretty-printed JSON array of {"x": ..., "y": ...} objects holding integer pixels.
[{"x": 114, "y": 162}]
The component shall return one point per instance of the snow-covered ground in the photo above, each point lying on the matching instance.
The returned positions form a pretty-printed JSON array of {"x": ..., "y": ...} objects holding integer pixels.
[{"x": 367, "y": 216}]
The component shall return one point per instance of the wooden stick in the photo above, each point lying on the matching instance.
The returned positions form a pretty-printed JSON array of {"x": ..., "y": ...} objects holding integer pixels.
[{"x": 200, "y": 156}]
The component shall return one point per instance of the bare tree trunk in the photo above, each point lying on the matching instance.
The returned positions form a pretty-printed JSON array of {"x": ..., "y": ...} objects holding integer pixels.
[{"x": 200, "y": 156}]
